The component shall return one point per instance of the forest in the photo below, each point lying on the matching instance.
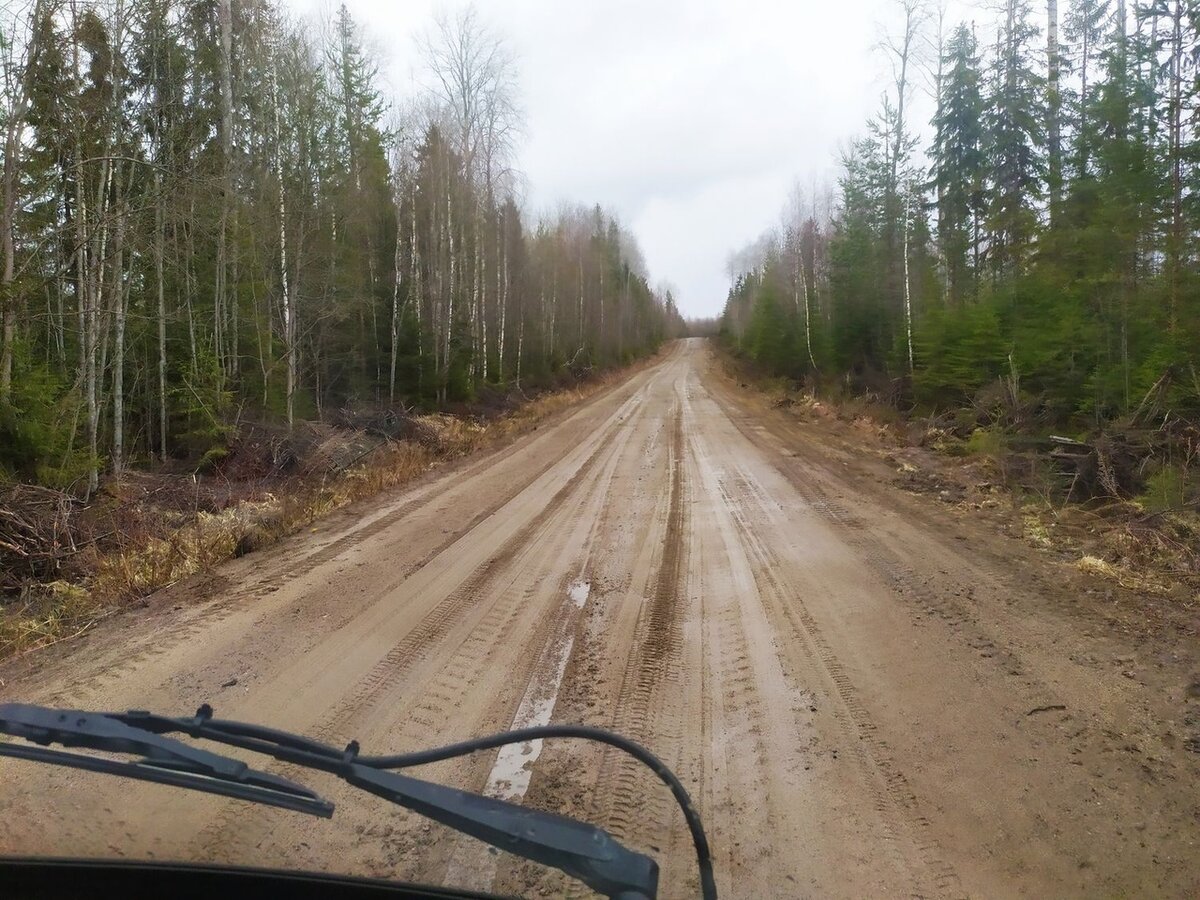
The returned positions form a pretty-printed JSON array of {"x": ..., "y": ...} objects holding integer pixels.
[
  {"x": 214, "y": 213},
  {"x": 1031, "y": 255}
]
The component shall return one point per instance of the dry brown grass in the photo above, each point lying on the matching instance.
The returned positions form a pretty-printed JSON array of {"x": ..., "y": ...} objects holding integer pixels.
[
  {"x": 46, "y": 615},
  {"x": 1126, "y": 578},
  {"x": 150, "y": 559}
]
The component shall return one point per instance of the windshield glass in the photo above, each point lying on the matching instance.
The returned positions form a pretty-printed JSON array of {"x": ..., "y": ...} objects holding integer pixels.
[{"x": 808, "y": 395}]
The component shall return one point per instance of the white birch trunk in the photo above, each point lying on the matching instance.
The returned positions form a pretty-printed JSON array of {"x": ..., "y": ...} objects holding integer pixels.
[
  {"x": 807, "y": 306},
  {"x": 397, "y": 263},
  {"x": 289, "y": 317},
  {"x": 503, "y": 295},
  {"x": 120, "y": 298},
  {"x": 13, "y": 143},
  {"x": 449, "y": 323},
  {"x": 479, "y": 301},
  {"x": 908, "y": 328}
]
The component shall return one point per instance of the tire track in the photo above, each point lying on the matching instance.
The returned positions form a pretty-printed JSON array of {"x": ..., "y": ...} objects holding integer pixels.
[
  {"x": 940, "y": 600},
  {"x": 82, "y": 690},
  {"x": 648, "y": 702},
  {"x": 414, "y": 648},
  {"x": 440, "y": 699},
  {"x": 804, "y": 476},
  {"x": 577, "y": 541},
  {"x": 906, "y": 828},
  {"x": 623, "y": 549},
  {"x": 388, "y": 672},
  {"x": 770, "y": 625},
  {"x": 757, "y": 735}
]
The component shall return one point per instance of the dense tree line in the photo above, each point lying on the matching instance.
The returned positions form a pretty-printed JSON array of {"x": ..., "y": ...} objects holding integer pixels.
[
  {"x": 1044, "y": 240},
  {"x": 210, "y": 211}
]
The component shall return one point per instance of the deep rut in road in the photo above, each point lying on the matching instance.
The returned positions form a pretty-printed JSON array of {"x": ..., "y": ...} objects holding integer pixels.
[{"x": 654, "y": 669}]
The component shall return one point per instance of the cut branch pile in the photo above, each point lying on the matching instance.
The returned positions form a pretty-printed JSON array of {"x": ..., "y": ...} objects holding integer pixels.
[
  {"x": 1114, "y": 464},
  {"x": 39, "y": 531}
]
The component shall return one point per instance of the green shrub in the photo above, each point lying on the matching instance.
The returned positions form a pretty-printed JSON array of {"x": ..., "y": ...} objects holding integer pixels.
[
  {"x": 1168, "y": 488},
  {"x": 951, "y": 446},
  {"x": 212, "y": 458},
  {"x": 986, "y": 442},
  {"x": 197, "y": 442},
  {"x": 41, "y": 428},
  {"x": 68, "y": 474}
]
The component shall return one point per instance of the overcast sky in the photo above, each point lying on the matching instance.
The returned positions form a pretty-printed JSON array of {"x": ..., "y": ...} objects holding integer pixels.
[{"x": 689, "y": 119}]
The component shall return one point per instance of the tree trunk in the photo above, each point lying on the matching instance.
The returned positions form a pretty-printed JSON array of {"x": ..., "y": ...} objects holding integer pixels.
[
  {"x": 448, "y": 325},
  {"x": 600, "y": 305},
  {"x": 1053, "y": 108},
  {"x": 1126, "y": 285},
  {"x": 903, "y": 52},
  {"x": 1175, "y": 154},
  {"x": 1085, "y": 60},
  {"x": 479, "y": 301},
  {"x": 502, "y": 294},
  {"x": 288, "y": 313},
  {"x": 908, "y": 318},
  {"x": 414, "y": 280},
  {"x": 189, "y": 287},
  {"x": 159, "y": 239},
  {"x": 395, "y": 329},
  {"x": 119, "y": 300},
  {"x": 807, "y": 308},
  {"x": 580, "y": 345},
  {"x": 225, "y": 18},
  {"x": 95, "y": 279},
  {"x": 13, "y": 143}
]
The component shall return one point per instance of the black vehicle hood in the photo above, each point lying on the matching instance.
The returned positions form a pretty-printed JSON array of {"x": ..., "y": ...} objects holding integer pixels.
[{"x": 38, "y": 877}]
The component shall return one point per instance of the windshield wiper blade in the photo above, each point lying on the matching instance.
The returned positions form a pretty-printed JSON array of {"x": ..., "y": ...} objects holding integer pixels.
[
  {"x": 164, "y": 760},
  {"x": 584, "y": 851}
]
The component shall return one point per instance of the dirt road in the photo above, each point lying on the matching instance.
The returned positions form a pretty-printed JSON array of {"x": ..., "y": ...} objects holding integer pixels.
[{"x": 866, "y": 696}]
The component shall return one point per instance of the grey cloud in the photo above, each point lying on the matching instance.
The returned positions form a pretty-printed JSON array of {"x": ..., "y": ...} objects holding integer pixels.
[{"x": 687, "y": 119}]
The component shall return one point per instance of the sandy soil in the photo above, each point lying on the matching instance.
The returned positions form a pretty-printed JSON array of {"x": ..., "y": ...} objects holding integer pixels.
[{"x": 867, "y": 695}]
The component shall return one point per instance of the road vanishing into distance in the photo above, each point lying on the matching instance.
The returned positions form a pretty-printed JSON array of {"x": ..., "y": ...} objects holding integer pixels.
[{"x": 865, "y": 696}]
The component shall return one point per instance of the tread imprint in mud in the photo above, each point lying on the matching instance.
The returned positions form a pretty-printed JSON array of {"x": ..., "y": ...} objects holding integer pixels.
[
  {"x": 871, "y": 750},
  {"x": 647, "y": 708},
  {"x": 81, "y": 690},
  {"x": 398, "y": 661}
]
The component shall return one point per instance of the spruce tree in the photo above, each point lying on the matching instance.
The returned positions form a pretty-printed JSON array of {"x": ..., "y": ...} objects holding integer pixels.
[
  {"x": 1014, "y": 140},
  {"x": 958, "y": 164}
]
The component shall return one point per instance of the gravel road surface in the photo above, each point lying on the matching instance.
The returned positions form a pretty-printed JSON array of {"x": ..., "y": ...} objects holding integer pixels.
[{"x": 865, "y": 695}]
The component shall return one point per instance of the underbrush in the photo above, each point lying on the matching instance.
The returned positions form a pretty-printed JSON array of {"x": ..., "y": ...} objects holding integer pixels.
[{"x": 66, "y": 563}]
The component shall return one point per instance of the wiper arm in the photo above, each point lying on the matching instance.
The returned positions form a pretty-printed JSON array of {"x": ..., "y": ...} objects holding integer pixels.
[
  {"x": 579, "y": 849},
  {"x": 583, "y": 851},
  {"x": 164, "y": 760}
]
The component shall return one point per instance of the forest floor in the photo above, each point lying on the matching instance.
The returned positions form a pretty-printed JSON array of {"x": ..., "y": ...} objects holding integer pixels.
[{"x": 869, "y": 691}]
